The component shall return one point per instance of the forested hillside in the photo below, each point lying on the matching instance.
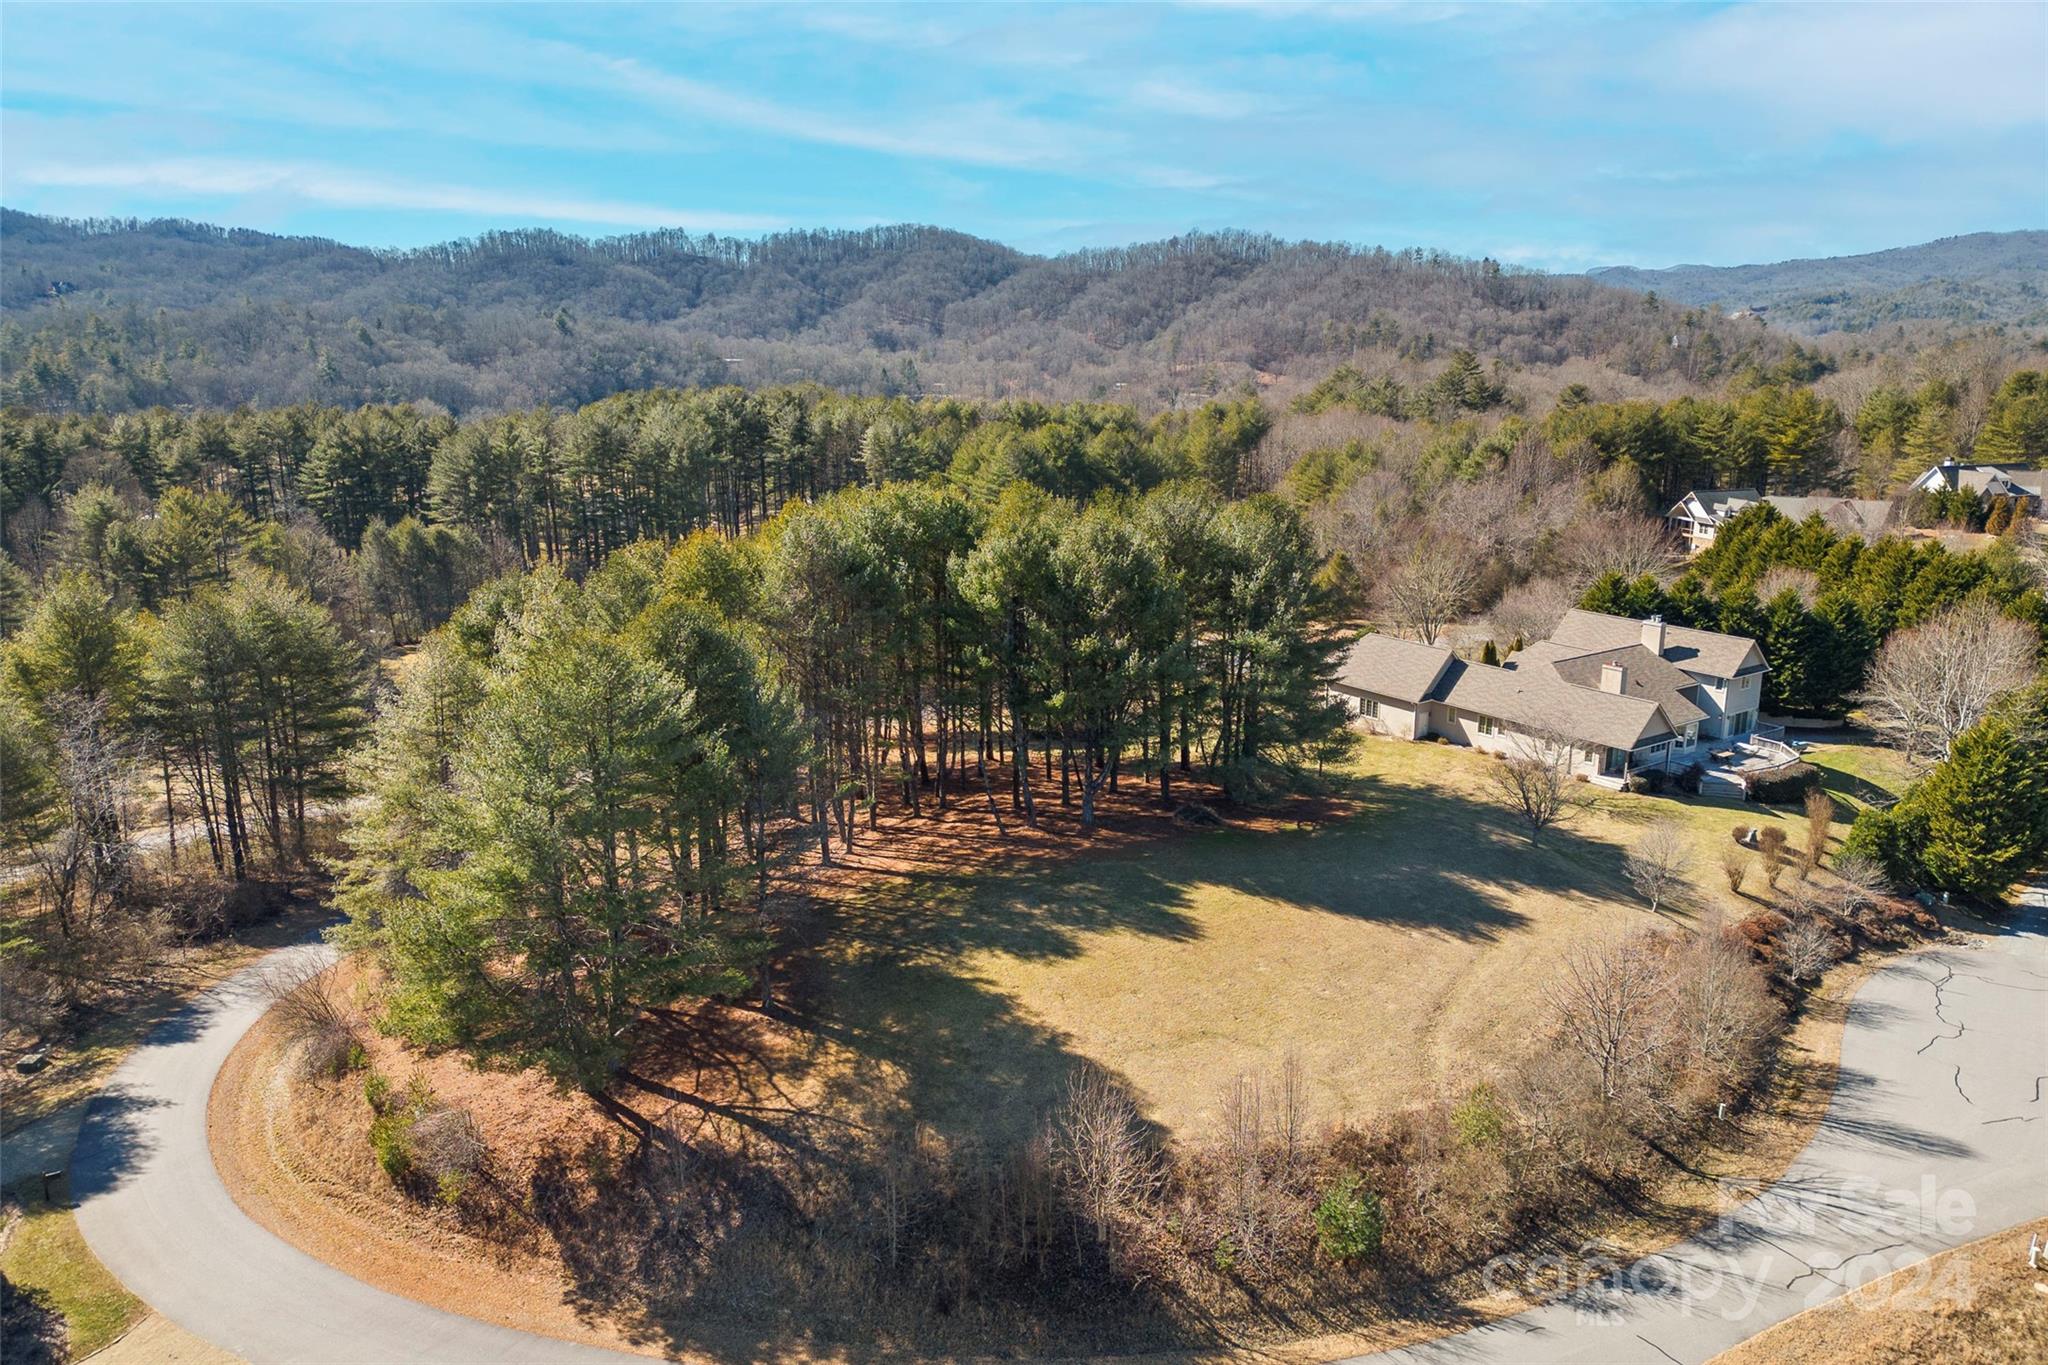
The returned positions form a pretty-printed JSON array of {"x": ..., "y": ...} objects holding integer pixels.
[
  {"x": 1985, "y": 277},
  {"x": 117, "y": 316}
]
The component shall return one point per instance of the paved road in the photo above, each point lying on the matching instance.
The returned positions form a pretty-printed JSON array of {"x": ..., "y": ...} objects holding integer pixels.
[
  {"x": 1937, "y": 1135},
  {"x": 156, "y": 1213}
]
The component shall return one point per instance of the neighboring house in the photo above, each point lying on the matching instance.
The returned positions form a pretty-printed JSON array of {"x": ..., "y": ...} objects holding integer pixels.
[
  {"x": 1699, "y": 515},
  {"x": 1986, "y": 480},
  {"x": 1629, "y": 695}
]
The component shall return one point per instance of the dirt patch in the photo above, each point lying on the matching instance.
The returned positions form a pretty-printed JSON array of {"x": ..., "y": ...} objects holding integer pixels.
[{"x": 159, "y": 1341}]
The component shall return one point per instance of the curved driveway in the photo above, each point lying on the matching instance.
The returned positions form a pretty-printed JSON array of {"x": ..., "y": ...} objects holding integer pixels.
[
  {"x": 1937, "y": 1134},
  {"x": 156, "y": 1214}
]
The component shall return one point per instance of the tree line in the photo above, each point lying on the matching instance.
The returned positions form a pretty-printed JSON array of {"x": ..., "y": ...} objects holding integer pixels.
[
  {"x": 574, "y": 486},
  {"x": 1821, "y": 602}
]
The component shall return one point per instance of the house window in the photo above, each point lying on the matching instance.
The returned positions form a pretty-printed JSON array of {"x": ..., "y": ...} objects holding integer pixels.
[
  {"x": 1369, "y": 706},
  {"x": 1488, "y": 725}
]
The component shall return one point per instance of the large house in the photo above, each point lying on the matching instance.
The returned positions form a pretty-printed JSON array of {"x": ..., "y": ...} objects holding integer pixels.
[
  {"x": 1628, "y": 695},
  {"x": 1986, "y": 480},
  {"x": 1699, "y": 515}
]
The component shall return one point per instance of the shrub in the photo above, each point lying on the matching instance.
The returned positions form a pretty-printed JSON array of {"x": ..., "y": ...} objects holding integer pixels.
[
  {"x": 1735, "y": 867},
  {"x": 377, "y": 1091},
  {"x": 1350, "y": 1221},
  {"x": 1782, "y": 786},
  {"x": 1648, "y": 783},
  {"x": 1771, "y": 841},
  {"x": 446, "y": 1147},
  {"x": 1689, "y": 778},
  {"x": 1760, "y": 932},
  {"x": 330, "y": 1055},
  {"x": 391, "y": 1139},
  {"x": 1479, "y": 1119},
  {"x": 312, "y": 1013}
]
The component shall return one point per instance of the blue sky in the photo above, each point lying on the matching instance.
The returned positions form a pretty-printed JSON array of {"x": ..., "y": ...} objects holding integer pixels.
[{"x": 1558, "y": 136}]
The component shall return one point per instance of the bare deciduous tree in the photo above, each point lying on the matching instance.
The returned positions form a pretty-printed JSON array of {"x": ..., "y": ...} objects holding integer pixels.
[
  {"x": 1610, "y": 999},
  {"x": 1660, "y": 865},
  {"x": 1264, "y": 1122},
  {"x": 1430, "y": 587},
  {"x": 1101, "y": 1148},
  {"x": 1617, "y": 543},
  {"x": 1860, "y": 882},
  {"x": 1934, "y": 681},
  {"x": 1721, "y": 1007},
  {"x": 1536, "y": 781},
  {"x": 1805, "y": 948},
  {"x": 1532, "y": 610},
  {"x": 1779, "y": 577}
]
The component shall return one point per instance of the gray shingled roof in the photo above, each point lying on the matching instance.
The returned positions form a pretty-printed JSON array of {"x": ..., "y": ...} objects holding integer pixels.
[
  {"x": 1695, "y": 651},
  {"x": 1537, "y": 699},
  {"x": 1647, "y": 676},
  {"x": 1864, "y": 516},
  {"x": 1392, "y": 667},
  {"x": 2000, "y": 479},
  {"x": 1722, "y": 502}
]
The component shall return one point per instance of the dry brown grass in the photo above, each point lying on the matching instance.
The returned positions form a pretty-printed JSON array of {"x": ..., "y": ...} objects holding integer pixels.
[
  {"x": 1392, "y": 935},
  {"x": 1980, "y": 1304}
]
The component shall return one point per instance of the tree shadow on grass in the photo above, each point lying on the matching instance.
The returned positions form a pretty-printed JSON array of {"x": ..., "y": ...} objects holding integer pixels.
[{"x": 924, "y": 1043}]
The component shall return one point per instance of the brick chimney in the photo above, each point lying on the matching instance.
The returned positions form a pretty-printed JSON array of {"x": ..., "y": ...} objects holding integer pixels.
[
  {"x": 1653, "y": 635},
  {"x": 1613, "y": 678}
]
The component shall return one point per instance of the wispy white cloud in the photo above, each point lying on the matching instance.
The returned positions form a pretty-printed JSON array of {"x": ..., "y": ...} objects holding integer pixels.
[
  {"x": 1909, "y": 71},
  {"x": 341, "y": 188},
  {"x": 986, "y": 134},
  {"x": 1166, "y": 178},
  {"x": 1188, "y": 94}
]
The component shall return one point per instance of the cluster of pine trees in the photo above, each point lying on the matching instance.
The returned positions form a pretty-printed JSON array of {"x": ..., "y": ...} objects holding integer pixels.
[
  {"x": 242, "y": 694},
  {"x": 574, "y": 486},
  {"x": 1820, "y": 601},
  {"x": 577, "y": 783}
]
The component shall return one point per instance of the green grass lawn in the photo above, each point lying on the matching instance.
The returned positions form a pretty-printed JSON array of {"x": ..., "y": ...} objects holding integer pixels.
[
  {"x": 1858, "y": 771},
  {"x": 45, "y": 1254}
]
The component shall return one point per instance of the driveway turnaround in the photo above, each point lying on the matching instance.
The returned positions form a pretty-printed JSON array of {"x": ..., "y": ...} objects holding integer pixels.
[
  {"x": 1937, "y": 1135},
  {"x": 156, "y": 1214}
]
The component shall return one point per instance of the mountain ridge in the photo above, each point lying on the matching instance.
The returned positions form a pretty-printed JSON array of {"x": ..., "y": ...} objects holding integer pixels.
[
  {"x": 123, "y": 314},
  {"x": 1971, "y": 278}
]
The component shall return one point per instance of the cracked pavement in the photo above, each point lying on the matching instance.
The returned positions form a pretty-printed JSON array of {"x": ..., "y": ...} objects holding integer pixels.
[{"x": 1928, "y": 1142}]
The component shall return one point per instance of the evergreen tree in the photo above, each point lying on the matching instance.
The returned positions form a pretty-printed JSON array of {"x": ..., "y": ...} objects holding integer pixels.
[{"x": 1983, "y": 812}]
